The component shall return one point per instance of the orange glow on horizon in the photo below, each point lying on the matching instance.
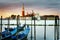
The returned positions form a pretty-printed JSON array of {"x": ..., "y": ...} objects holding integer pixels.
[{"x": 8, "y": 12}]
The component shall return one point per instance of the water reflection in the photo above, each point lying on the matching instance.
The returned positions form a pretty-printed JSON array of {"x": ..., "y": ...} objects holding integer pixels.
[
  {"x": 40, "y": 33},
  {"x": 39, "y": 29}
]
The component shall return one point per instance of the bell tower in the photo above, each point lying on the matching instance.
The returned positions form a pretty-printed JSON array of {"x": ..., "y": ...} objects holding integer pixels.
[{"x": 23, "y": 12}]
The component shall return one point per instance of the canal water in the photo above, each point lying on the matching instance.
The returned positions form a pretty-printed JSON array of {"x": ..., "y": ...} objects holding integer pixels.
[
  {"x": 40, "y": 33},
  {"x": 39, "y": 29}
]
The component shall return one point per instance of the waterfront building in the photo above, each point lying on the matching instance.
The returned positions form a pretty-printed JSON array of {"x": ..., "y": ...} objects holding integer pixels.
[{"x": 48, "y": 17}]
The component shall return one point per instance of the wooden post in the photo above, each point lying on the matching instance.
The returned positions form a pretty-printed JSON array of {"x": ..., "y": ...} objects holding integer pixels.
[
  {"x": 55, "y": 29},
  {"x": 25, "y": 21},
  {"x": 45, "y": 30},
  {"x": 34, "y": 30},
  {"x": 17, "y": 27},
  {"x": 58, "y": 28},
  {"x": 31, "y": 29},
  {"x": 1, "y": 29},
  {"x": 18, "y": 18},
  {"x": 1, "y": 23},
  {"x": 8, "y": 24}
]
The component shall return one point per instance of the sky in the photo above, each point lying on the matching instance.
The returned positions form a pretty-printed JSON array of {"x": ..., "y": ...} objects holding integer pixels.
[{"x": 43, "y": 7}]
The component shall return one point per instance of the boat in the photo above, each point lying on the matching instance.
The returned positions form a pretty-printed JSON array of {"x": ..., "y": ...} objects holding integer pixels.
[
  {"x": 8, "y": 33},
  {"x": 19, "y": 28},
  {"x": 22, "y": 35}
]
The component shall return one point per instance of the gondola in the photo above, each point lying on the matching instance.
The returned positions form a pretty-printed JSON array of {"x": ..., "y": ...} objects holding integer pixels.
[
  {"x": 8, "y": 33},
  {"x": 22, "y": 35},
  {"x": 19, "y": 28}
]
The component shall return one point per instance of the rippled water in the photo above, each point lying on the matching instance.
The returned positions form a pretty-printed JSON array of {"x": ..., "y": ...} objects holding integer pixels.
[{"x": 39, "y": 29}]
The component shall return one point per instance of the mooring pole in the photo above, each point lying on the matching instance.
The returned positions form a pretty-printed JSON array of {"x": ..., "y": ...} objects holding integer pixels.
[
  {"x": 25, "y": 21},
  {"x": 19, "y": 20},
  {"x": 34, "y": 30},
  {"x": 31, "y": 29},
  {"x": 17, "y": 27},
  {"x": 58, "y": 28},
  {"x": 1, "y": 23},
  {"x": 8, "y": 24},
  {"x": 45, "y": 30},
  {"x": 1, "y": 29},
  {"x": 55, "y": 29}
]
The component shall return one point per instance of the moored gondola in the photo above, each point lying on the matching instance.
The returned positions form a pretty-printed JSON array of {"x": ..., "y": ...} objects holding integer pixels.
[
  {"x": 8, "y": 33},
  {"x": 22, "y": 35}
]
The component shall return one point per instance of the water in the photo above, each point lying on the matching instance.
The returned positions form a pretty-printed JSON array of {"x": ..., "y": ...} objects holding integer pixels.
[
  {"x": 28, "y": 22},
  {"x": 39, "y": 29},
  {"x": 40, "y": 33}
]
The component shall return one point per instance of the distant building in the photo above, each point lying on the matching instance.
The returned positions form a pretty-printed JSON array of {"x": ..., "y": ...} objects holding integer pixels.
[
  {"x": 23, "y": 17},
  {"x": 23, "y": 12},
  {"x": 49, "y": 17},
  {"x": 28, "y": 16},
  {"x": 13, "y": 17}
]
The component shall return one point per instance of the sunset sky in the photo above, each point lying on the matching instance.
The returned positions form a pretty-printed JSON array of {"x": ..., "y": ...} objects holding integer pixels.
[{"x": 43, "y": 7}]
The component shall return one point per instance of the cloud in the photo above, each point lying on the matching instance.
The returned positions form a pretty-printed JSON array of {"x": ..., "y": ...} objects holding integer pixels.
[
  {"x": 37, "y": 4},
  {"x": 30, "y": 3}
]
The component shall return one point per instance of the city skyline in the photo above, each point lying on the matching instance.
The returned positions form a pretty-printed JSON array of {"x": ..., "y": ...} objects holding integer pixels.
[{"x": 43, "y": 7}]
